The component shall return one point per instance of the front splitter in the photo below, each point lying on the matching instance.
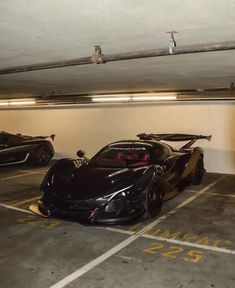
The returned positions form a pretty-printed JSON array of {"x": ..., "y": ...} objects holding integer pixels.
[{"x": 34, "y": 208}]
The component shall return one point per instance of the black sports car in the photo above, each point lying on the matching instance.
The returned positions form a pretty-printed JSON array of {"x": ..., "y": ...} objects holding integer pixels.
[
  {"x": 15, "y": 149},
  {"x": 123, "y": 180}
]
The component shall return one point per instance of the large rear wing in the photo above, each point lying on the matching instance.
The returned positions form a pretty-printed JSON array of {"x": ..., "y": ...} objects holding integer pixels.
[
  {"x": 174, "y": 138},
  {"x": 52, "y": 136}
]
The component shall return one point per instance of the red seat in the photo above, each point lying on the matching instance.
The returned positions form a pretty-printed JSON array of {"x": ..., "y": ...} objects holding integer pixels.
[
  {"x": 119, "y": 156},
  {"x": 145, "y": 157}
]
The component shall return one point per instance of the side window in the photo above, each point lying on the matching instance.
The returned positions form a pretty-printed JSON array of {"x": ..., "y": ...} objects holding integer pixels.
[
  {"x": 13, "y": 140},
  {"x": 3, "y": 139},
  {"x": 160, "y": 153}
]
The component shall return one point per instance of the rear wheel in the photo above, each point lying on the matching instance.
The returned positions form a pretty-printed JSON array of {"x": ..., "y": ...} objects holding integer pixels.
[
  {"x": 199, "y": 172},
  {"x": 42, "y": 155},
  {"x": 153, "y": 202}
]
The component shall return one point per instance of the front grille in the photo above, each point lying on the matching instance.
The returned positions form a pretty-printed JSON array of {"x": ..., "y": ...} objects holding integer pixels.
[{"x": 61, "y": 204}]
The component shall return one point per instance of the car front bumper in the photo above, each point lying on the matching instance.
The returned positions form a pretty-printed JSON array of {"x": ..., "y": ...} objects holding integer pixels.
[{"x": 117, "y": 211}]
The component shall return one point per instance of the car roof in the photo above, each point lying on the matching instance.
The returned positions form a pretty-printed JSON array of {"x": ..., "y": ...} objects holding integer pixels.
[
  {"x": 15, "y": 136},
  {"x": 5, "y": 133},
  {"x": 150, "y": 143}
]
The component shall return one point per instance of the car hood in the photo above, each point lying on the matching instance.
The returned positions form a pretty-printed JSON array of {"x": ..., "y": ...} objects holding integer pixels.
[{"x": 89, "y": 182}]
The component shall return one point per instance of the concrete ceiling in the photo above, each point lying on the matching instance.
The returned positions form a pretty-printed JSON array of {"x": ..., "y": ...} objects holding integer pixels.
[{"x": 48, "y": 30}]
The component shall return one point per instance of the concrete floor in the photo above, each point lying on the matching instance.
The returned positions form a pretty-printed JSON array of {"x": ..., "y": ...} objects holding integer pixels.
[{"x": 192, "y": 245}]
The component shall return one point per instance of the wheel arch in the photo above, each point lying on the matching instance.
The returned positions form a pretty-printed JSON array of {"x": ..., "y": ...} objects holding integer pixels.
[
  {"x": 36, "y": 147},
  {"x": 197, "y": 153}
]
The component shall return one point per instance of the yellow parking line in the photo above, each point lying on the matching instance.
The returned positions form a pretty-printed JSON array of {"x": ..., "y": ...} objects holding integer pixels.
[
  {"x": 24, "y": 174},
  {"x": 17, "y": 176},
  {"x": 33, "y": 171},
  {"x": 26, "y": 201},
  {"x": 15, "y": 208}
]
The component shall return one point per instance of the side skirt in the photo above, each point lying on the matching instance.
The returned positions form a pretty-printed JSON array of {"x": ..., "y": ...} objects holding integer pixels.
[{"x": 17, "y": 162}]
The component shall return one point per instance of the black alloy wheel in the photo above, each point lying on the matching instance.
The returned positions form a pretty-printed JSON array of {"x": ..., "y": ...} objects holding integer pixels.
[
  {"x": 154, "y": 201},
  {"x": 199, "y": 172},
  {"x": 42, "y": 155}
]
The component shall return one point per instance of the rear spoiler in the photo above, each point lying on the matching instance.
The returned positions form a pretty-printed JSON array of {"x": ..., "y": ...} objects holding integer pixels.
[
  {"x": 52, "y": 136},
  {"x": 175, "y": 138}
]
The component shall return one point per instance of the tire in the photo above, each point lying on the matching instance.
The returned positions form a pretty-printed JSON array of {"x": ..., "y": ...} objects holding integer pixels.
[
  {"x": 42, "y": 155},
  {"x": 199, "y": 172},
  {"x": 153, "y": 202}
]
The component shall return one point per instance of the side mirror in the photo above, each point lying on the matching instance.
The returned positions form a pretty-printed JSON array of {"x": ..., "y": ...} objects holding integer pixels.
[{"x": 81, "y": 154}]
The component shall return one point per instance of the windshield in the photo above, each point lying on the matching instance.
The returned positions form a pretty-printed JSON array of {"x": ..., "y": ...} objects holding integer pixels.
[
  {"x": 3, "y": 139},
  {"x": 122, "y": 156}
]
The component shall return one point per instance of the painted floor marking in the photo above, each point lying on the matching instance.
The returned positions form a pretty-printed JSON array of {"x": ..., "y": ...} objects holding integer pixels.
[
  {"x": 21, "y": 175},
  {"x": 174, "y": 241},
  {"x": 25, "y": 201},
  {"x": 127, "y": 232},
  {"x": 212, "y": 193},
  {"x": 29, "y": 171},
  {"x": 90, "y": 265},
  {"x": 16, "y": 208},
  {"x": 16, "y": 176},
  {"x": 128, "y": 258}
]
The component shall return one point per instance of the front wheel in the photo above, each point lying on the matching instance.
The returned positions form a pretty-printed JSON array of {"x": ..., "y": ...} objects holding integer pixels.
[
  {"x": 199, "y": 172},
  {"x": 153, "y": 202},
  {"x": 42, "y": 156}
]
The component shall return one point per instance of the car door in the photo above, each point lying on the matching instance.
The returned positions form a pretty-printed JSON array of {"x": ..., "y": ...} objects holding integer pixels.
[
  {"x": 4, "y": 153},
  {"x": 167, "y": 160},
  {"x": 11, "y": 149}
]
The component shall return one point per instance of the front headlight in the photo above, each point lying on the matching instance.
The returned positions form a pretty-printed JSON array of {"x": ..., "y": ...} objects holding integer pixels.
[{"x": 120, "y": 193}]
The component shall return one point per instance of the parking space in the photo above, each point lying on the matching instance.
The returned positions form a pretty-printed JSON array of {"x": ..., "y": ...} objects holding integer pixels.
[
  {"x": 42, "y": 252},
  {"x": 20, "y": 183},
  {"x": 157, "y": 264},
  {"x": 208, "y": 220},
  {"x": 192, "y": 238}
]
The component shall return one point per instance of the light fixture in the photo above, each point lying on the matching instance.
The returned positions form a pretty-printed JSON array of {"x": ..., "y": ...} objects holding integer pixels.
[
  {"x": 4, "y": 103},
  {"x": 21, "y": 102},
  {"x": 111, "y": 99},
  {"x": 17, "y": 102},
  {"x": 155, "y": 98},
  {"x": 134, "y": 97}
]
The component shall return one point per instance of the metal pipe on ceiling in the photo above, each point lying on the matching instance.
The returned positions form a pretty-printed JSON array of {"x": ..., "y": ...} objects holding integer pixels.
[
  {"x": 98, "y": 58},
  {"x": 192, "y": 90}
]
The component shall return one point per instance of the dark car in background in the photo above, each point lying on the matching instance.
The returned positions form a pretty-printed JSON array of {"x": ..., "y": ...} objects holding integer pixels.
[
  {"x": 17, "y": 148},
  {"x": 123, "y": 180}
]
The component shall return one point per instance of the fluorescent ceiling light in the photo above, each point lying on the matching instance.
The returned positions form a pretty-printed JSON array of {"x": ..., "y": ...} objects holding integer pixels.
[
  {"x": 3, "y": 103},
  {"x": 22, "y": 102},
  {"x": 135, "y": 97},
  {"x": 111, "y": 99},
  {"x": 17, "y": 102},
  {"x": 154, "y": 98}
]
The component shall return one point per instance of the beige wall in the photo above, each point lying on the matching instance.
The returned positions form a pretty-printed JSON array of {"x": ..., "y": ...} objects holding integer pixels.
[{"x": 90, "y": 128}]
